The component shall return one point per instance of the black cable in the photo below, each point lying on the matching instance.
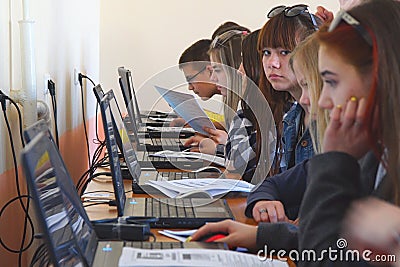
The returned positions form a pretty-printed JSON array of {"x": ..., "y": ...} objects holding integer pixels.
[
  {"x": 80, "y": 76},
  {"x": 95, "y": 204},
  {"x": 84, "y": 117},
  {"x": 40, "y": 253},
  {"x": 19, "y": 195},
  {"x": 4, "y": 98},
  {"x": 153, "y": 236},
  {"x": 52, "y": 89},
  {"x": 96, "y": 162},
  {"x": 11, "y": 201},
  {"x": 85, "y": 184}
]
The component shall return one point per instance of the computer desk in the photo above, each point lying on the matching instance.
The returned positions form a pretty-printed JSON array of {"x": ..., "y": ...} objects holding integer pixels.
[{"x": 103, "y": 211}]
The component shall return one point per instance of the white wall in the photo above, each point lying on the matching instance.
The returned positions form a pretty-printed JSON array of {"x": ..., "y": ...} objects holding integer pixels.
[
  {"x": 66, "y": 36},
  {"x": 149, "y": 36}
]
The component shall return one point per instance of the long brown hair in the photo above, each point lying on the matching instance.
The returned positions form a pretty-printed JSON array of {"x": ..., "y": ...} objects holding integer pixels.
[
  {"x": 281, "y": 32},
  {"x": 256, "y": 109},
  {"x": 382, "y": 61}
]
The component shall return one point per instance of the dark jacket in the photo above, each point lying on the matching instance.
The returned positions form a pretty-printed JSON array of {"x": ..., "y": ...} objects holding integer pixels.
[
  {"x": 335, "y": 180},
  {"x": 284, "y": 235},
  {"x": 288, "y": 187}
]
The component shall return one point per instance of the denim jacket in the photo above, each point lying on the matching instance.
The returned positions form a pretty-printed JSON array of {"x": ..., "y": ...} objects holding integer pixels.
[{"x": 303, "y": 148}]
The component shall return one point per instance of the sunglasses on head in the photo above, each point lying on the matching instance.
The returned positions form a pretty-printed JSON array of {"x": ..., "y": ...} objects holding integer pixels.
[
  {"x": 350, "y": 20},
  {"x": 221, "y": 39},
  {"x": 292, "y": 11}
]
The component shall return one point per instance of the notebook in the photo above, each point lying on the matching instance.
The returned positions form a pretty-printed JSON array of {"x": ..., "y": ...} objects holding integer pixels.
[
  {"x": 67, "y": 230},
  {"x": 204, "y": 210}
]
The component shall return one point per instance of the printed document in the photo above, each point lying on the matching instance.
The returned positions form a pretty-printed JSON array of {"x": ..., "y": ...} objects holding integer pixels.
[
  {"x": 188, "y": 108},
  {"x": 131, "y": 257}
]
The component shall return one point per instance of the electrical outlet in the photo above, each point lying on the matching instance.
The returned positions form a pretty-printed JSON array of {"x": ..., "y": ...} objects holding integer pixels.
[
  {"x": 46, "y": 79},
  {"x": 75, "y": 77}
]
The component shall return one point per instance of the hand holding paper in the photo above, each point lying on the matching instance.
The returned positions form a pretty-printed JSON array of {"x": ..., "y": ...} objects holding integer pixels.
[{"x": 188, "y": 108}]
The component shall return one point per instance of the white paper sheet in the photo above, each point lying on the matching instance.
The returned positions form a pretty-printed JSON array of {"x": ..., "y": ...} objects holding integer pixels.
[
  {"x": 191, "y": 155},
  {"x": 132, "y": 257},
  {"x": 214, "y": 186},
  {"x": 178, "y": 235},
  {"x": 170, "y": 129},
  {"x": 187, "y": 107}
]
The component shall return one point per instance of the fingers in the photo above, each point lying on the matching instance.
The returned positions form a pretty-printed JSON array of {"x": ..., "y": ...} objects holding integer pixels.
[
  {"x": 349, "y": 114},
  {"x": 335, "y": 117},
  {"x": 194, "y": 140},
  {"x": 269, "y": 211},
  {"x": 361, "y": 113},
  {"x": 212, "y": 228},
  {"x": 218, "y": 136},
  {"x": 275, "y": 212},
  {"x": 190, "y": 141},
  {"x": 211, "y": 131}
]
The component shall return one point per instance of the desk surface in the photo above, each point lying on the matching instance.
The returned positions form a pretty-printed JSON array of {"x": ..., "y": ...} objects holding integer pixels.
[
  {"x": 96, "y": 212},
  {"x": 102, "y": 211}
]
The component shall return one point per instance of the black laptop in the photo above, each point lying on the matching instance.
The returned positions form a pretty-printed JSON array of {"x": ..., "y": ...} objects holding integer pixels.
[
  {"x": 129, "y": 94},
  {"x": 173, "y": 213},
  {"x": 133, "y": 169},
  {"x": 67, "y": 230},
  {"x": 140, "y": 149}
]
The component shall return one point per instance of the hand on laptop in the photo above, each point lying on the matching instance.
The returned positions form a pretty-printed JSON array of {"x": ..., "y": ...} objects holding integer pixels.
[
  {"x": 239, "y": 234},
  {"x": 269, "y": 211}
]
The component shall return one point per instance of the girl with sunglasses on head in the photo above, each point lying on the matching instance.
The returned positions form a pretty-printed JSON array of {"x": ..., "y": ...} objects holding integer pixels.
[
  {"x": 361, "y": 91},
  {"x": 286, "y": 27}
]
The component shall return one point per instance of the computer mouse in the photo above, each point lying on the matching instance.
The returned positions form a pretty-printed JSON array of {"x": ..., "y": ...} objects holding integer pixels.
[
  {"x": 195, "y": 194},
  {"x": 211, "y": 237}
]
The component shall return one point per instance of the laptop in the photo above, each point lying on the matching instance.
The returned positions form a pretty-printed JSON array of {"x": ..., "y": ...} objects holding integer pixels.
[
  {"x": 134, "y": 168},
  {"x": 129, "y": 94},
  {"x": 150, "y": 128},
  {"x": 171, "y": 213},
  {"x": 67, "y": 230},
  {"x": 140, "y": 149}
]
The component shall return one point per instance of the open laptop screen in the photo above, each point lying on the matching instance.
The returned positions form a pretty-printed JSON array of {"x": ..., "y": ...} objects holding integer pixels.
[
  {"x": 125, "y": 82},
  {"x": 127, "y": 148},
  {"x": 112, "y": 150},
  {"x": 70, "y": 235}
]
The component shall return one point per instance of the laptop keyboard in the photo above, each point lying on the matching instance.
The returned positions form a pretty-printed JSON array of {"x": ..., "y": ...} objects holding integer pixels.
[
  {"x": 169, "y": 207},
  {"x": 165, "y": 142},
  {"x": 171, "y": 176},
  {"x": 154, "y": 245}
]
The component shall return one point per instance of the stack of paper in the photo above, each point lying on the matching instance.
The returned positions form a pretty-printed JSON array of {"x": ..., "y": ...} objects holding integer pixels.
[{"x": 213, "y": 186}]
